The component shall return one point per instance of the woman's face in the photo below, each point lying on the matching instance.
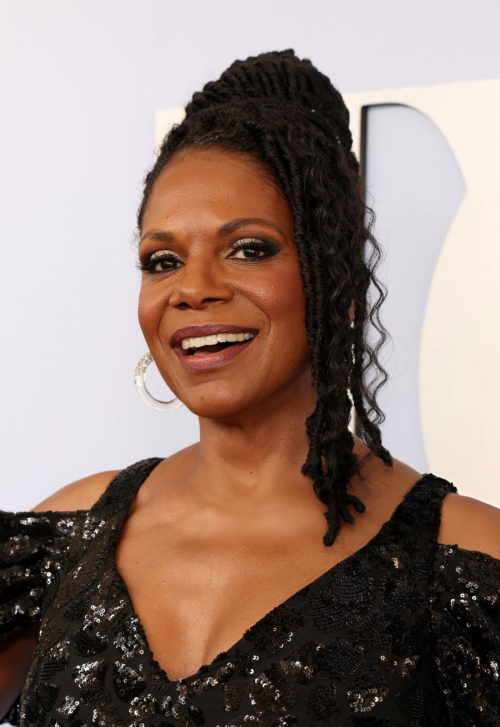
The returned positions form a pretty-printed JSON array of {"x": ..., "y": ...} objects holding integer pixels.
[{"x": 218, "y": 243}]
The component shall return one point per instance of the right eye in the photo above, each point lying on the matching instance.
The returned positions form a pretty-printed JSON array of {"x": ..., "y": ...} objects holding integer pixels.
[{"x": 157, "y": 262}]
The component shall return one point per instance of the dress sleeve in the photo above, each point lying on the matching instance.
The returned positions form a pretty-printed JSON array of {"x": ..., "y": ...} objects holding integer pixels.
[
  {"x": 33, "y": 548},
  {"x": 465, "y": 646}
]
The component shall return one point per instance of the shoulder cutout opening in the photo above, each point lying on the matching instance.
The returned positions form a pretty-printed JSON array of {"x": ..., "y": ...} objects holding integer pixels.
[
  {"x": 471, "y": 524},
  {"x": 79, "y": 495}
]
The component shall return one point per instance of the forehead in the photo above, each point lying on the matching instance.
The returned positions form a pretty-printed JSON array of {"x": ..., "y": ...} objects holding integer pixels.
[{"x": 217, "y": 184}]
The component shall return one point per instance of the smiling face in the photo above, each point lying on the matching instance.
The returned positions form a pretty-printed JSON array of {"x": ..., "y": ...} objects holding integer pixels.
[{"x": 203, "y": 265}]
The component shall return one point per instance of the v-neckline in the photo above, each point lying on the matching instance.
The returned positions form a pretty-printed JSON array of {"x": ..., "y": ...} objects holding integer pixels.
[{"x": 204, "y": 668}]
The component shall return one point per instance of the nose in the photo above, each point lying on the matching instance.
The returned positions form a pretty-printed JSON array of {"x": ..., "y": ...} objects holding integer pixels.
[{"x": 200, "y": 282}]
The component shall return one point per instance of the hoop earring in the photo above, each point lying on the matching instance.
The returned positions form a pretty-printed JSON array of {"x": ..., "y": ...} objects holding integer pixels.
[{"x": 140, "y": 383}]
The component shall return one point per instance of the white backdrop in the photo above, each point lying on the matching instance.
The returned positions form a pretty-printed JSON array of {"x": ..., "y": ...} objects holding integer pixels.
[{"x": 80, "y": 84}]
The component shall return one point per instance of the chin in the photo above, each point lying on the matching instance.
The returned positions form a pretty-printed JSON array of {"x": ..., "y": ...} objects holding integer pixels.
[{"x": 218, "y": 404}]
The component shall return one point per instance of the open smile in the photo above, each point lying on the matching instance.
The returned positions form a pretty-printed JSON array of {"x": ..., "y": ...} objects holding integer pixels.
[{"x": 212, "y": 356}]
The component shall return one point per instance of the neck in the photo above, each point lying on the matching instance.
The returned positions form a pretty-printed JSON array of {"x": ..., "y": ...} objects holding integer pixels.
[{"x": 257, "y": 452}]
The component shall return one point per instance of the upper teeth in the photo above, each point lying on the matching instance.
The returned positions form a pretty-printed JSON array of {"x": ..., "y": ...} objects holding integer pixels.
[{"x": 216, "y": 338}]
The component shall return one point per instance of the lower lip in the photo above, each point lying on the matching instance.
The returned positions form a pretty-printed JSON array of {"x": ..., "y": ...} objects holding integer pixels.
[{"x": 204, "y": 362}]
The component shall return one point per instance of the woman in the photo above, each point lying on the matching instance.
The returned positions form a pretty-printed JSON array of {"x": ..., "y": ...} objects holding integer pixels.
[{"x": 202, "y": 588}]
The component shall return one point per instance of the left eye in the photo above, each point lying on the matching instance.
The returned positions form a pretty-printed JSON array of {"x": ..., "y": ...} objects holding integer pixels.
[
  {"x": 258, "y": 249},
  {"x": 249, "y": 249}
]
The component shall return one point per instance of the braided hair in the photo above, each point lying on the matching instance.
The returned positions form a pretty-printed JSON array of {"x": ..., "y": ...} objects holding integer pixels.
[{"x": 287, "y": 116}]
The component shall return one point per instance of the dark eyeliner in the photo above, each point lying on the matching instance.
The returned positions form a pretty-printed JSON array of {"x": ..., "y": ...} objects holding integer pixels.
[
  {"x": 269, "y": 247},
  {"x": 145, "y": 263}
]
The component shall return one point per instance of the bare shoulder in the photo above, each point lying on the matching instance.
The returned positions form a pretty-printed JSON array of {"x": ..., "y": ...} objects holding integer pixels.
[
  {"x": 471, "y": 524},
  {"x": 398, "y": 478},
  {"x": 382, "y": 488},
  {"x": 78, "y": 495}
]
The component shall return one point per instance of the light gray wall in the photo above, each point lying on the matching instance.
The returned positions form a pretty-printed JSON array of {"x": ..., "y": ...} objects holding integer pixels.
[
  {"x": 80, "y": 82},
  {"x": 415, "y": 186}
]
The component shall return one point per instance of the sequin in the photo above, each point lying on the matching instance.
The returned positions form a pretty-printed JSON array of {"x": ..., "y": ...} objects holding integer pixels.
[
  {"x": 404, "y": 632},
  {"x": 68, "y": 707}
]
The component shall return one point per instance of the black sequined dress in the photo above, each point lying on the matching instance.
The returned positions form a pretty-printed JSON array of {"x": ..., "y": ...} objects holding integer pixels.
[{"x": 406, "y": 631}]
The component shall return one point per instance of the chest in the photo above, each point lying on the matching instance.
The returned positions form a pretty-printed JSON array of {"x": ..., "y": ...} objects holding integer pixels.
[
  {"x": 197, "y": 598},
  {"x": 318, "y": 652},
  {"x": 352, "y": 637}
]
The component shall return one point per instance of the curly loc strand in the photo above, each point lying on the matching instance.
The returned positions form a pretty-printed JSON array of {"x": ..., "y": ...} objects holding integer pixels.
[{"x": 286, "y": 116}]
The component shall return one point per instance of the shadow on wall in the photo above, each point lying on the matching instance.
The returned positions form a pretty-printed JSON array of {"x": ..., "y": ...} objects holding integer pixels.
[{"x": 415, "y": 186}]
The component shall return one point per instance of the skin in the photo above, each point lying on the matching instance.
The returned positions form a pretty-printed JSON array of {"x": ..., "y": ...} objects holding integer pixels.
[
  {"x": 224, "y": 530},
  {"x": 193, "y": 197},
  {"x": 245, "y": 526}
]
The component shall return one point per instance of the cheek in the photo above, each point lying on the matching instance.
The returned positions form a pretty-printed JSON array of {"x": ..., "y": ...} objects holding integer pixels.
[
  {"x": 151, "y": 306},
  {"x": 282, "y": 298}
]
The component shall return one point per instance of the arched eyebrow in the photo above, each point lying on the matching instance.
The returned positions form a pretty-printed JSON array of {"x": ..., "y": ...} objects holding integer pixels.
[{"x": 225, "y": 229}]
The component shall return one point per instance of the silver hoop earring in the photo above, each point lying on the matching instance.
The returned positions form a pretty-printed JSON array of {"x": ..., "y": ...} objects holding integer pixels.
[{"x": 140, "y": 383}]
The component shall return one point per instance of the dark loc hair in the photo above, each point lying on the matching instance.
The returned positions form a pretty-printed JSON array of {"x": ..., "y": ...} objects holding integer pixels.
[{"x": 289, "y": 118}]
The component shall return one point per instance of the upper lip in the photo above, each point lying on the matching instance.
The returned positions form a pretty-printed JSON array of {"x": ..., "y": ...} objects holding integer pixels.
[{"x": 207, "y": 330}]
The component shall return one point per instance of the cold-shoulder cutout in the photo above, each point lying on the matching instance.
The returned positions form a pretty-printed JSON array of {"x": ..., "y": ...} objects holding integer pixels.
[
  {"x": 470, "y": 524},
  {"x": 79, "y": 495}
]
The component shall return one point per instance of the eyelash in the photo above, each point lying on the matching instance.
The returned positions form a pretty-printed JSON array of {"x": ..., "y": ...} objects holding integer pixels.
[{"x": 267, "y": 246}]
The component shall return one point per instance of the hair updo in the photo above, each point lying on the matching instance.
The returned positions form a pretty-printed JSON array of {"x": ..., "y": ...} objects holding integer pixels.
[{"x": 289, "y": 118}]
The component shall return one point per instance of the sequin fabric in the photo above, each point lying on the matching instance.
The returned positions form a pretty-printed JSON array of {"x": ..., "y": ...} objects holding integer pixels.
[{"x": 405, "y": 631}]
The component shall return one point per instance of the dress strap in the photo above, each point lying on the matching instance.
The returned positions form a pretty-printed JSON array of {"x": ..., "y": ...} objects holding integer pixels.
[
  {"x": 417, "y": 518},
  {"x": 122, "y": 489}
]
